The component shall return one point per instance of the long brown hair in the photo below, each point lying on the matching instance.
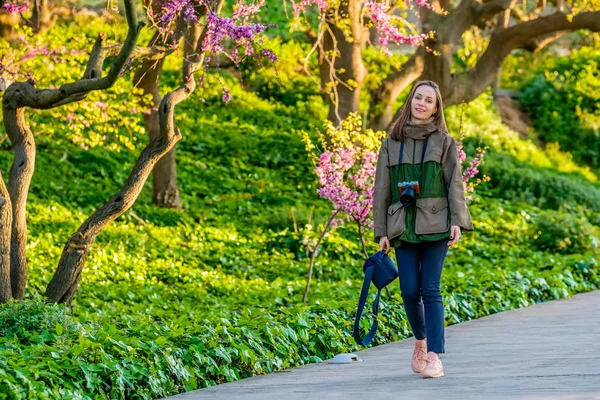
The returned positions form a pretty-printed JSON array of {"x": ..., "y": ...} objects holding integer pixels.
[{"x": 397, "y": 131}]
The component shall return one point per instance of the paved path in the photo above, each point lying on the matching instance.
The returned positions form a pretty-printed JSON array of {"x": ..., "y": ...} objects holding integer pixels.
[{"x": 546, "y": 351}]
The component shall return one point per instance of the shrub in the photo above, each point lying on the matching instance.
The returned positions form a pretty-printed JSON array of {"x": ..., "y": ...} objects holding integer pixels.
[
  {"x": 563, "y": 100},
  {"x": 541, "y": 187},
  {"x": 564, "y": 233},
  {"x": 33, "y": 320}
]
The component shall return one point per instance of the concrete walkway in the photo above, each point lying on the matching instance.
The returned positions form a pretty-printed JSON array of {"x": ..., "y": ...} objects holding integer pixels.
[{"x": 546, "y": 351}]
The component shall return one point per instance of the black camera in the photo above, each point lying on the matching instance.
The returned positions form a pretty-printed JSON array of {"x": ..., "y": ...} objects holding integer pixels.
[{"x": 408, "y": 192}]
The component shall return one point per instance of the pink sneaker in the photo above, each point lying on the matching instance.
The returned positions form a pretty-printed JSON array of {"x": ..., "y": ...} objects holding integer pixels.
[
  {"x": 434, "y": 367},
  {"x": 419, "y": 358}
]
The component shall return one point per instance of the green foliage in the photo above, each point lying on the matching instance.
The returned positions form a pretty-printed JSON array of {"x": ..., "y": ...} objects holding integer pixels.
[
  {"x": 564, "y": 233},
  {"x": 563, "y": 101},
  {"x": 481, "y": 123},
  {"x": 34, "y": 321},
  {"x": 109, "y": 119},
  {"x": 538, "y": 186},
  {"x": 519, "y": 169},
  {"x": 292, "y": 81}
]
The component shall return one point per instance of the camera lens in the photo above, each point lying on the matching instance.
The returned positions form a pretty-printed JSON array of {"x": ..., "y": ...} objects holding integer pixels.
[{"x": 408, "y": 195}]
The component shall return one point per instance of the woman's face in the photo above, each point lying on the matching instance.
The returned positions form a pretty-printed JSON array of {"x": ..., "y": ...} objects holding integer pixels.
[{"x": 424, "y": 103}]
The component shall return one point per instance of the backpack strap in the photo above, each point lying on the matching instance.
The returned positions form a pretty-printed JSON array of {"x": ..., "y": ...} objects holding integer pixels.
[{"x": 361, "y": 305}]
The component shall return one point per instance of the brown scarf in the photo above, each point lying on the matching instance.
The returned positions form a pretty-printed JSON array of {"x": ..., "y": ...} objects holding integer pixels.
[{"x": 420, "y": 131}]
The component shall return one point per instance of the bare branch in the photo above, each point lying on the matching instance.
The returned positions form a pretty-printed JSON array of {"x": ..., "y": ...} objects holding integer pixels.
[
  {"x": 97, "y": 56},
  {"x": 535, "y": 45}
]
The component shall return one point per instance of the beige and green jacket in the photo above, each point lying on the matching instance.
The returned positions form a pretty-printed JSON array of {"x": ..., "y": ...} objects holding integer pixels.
[{"x": 441, "y": 202}]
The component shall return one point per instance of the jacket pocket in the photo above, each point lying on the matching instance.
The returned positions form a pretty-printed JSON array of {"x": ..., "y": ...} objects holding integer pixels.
[
  {"x": 396, "y": 224},
  {"x": 432, "y": 216}
]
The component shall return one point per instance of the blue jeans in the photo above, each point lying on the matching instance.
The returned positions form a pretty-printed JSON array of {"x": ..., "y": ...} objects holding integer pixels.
[{"x": 420, "y": 270}]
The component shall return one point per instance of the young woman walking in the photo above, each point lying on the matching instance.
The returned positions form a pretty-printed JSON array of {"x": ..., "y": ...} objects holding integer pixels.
[{"x": 419, "y": 208}]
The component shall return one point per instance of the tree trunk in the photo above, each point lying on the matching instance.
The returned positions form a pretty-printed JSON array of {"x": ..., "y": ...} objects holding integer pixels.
[
  {"x": 20, "y": 176},
  {"x": 468, "y": 85},
  {"x": 384, "y": 97},
  {"x": 164, "y": 176},
  {"x": 5, "y": 229},
  {"x": 40, "y": 20},
  {"x": 17, "y": 97},
  {"x": 464, "y": 87},
  {"x": 64, "y": 283},
  {"x": 341, "y": 62}
]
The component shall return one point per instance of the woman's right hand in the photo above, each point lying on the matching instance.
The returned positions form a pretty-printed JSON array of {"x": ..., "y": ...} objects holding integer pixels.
[{"x": 384, "y": 244}]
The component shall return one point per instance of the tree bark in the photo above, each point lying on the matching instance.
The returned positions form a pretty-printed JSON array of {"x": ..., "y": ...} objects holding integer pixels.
[
  {"x": 23, "y": 94},
  {"x": 164, "y": 176},
  {"x": 19, "y": 180},
  {"x": 341, "y": 66},
  {"x": 65, "y": 281},
  {"x": 5, "y": 233}
]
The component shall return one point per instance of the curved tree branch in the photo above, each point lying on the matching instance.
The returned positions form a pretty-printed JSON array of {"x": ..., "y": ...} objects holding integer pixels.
[
  {"x": 19, "y": 180},
  {"x": 468, "y": 85},
  {"x": 428, "y": 65},
  {"x": 45, "y": 99}
]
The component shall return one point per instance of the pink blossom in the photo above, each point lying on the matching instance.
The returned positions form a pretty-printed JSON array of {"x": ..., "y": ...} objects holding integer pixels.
[
  {"x": 471, "y": 172},
  {"x": 387, "y": 30},
  {"x": 226, "y": 95},
  {"x": 100, "y": 105},
  {"x": 302, "y": 5},
  {"x": 346, "y": 179},
  {"x": 244, "y": 11},
  {"x": 13, "y": 8},
  {"x": 424, "y": 3}
]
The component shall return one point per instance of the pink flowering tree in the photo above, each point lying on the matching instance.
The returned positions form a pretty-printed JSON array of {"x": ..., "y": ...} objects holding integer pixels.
[
  {"x": 472, "y": 170},
  {"x": 203, "y": 32},
  {"x": 345, "y": 159}
]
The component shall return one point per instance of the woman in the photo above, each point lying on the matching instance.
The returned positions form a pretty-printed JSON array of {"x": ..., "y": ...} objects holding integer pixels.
[{"x": 419, "y": 208}]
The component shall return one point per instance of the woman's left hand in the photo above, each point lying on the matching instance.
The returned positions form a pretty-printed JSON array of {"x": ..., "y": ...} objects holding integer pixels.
[{"x": 454, "y": 235}]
